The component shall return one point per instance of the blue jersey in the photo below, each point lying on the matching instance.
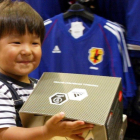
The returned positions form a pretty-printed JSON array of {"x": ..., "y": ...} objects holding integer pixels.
[
  {"x": 46, "y": 8},
  {"x": 113, "y": 10},
  {"x": 125, "y": 12},
  {"x": 99, "y": 51},
  {"x": 127, "y": 68},
  {"x": 133, "y": 22}
]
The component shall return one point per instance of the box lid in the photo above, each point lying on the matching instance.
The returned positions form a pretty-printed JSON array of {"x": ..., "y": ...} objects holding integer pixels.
[{"x": 81, "y": 97}]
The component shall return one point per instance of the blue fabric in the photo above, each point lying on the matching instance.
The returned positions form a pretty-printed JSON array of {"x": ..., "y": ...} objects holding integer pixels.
[
  {"x": 46, "y": 8},
  {"x": 97, "y": 52},
  {"x": 125, "y": 12}
]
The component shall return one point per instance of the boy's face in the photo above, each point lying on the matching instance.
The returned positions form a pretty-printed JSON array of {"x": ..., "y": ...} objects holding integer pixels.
[{"x": 19, "y": 55}]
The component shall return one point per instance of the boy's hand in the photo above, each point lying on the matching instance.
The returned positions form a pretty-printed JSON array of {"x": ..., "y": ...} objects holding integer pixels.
[{"x": 56, "y": 127}]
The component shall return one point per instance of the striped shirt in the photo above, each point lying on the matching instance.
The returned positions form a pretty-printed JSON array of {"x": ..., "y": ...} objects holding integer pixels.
[{"x": 7, "y": 108}]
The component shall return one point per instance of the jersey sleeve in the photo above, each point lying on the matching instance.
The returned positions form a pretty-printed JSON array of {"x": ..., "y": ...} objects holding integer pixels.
[{"x": 128, "y": 78}]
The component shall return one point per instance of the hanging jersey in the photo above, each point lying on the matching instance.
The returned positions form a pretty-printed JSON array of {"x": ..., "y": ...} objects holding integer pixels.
[
  {"x": 46, "y": 8},
  {"x": 125, "y": 12},
  {"x": 127, "y": 68},
  {"x": 133, "y": 22},
  {"x": 96, "y": 52},
  {"x": 113, "y": 10}
]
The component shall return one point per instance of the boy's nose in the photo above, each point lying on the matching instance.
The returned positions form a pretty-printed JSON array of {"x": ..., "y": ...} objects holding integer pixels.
[{"x": 26, "y": 49}]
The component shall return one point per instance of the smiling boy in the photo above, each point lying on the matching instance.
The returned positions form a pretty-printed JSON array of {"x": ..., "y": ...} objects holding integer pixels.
[{"x": 21, "y": 36}]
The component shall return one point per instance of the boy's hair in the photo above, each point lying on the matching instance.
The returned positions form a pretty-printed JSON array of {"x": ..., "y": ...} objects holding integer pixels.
[{"x": 17, "y": 16}]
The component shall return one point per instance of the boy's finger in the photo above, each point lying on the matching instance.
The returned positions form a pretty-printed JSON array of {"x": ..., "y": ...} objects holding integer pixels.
[
  {"x": 57, "y": 118},
  {"x": 85, "y": 126},
  {"x": 78, "y": 125}
]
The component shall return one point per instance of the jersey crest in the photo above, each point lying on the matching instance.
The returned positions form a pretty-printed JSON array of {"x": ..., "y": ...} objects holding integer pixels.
[{"x": 95, "y": 55}]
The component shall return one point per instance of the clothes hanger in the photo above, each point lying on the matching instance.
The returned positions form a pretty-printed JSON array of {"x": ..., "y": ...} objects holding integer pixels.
[{"x": 78, "y": 9}]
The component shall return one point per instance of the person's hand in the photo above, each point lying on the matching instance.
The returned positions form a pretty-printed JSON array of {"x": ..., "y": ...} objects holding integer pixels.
[{"x": 56, "y": 126}]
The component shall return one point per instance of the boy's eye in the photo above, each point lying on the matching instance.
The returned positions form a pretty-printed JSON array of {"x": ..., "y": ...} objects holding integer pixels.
[
  {"x": 34, "y": 43},
  {"x": 16, "y": 42}
]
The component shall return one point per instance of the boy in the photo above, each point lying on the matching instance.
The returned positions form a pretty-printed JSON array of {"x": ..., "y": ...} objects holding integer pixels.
[{"x": 21, "y": 36}]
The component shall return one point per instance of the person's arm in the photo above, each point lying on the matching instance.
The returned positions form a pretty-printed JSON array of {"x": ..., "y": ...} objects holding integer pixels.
[{"x": 53, "y": 127}]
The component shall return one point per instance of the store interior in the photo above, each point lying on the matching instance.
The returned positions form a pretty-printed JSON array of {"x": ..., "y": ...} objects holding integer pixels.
[{"x": 107, "y": 29}]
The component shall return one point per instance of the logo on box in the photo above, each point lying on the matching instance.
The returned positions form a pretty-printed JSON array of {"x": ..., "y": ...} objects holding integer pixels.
[{"x": 75, "y": 94}]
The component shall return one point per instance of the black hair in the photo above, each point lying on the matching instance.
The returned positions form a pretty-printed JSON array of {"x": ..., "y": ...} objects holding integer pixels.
[{"x": 18, "y": 16}]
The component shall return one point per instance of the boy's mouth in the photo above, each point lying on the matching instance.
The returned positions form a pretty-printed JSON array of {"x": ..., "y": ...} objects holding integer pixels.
[{"x": 25, "y": 62}]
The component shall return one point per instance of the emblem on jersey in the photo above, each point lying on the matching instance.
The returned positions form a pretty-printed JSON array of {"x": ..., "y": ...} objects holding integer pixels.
[{"x": 96, "y": 55}]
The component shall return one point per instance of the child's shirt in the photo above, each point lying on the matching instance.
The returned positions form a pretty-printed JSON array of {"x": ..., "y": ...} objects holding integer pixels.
[{"x": 7, "y": 108}]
